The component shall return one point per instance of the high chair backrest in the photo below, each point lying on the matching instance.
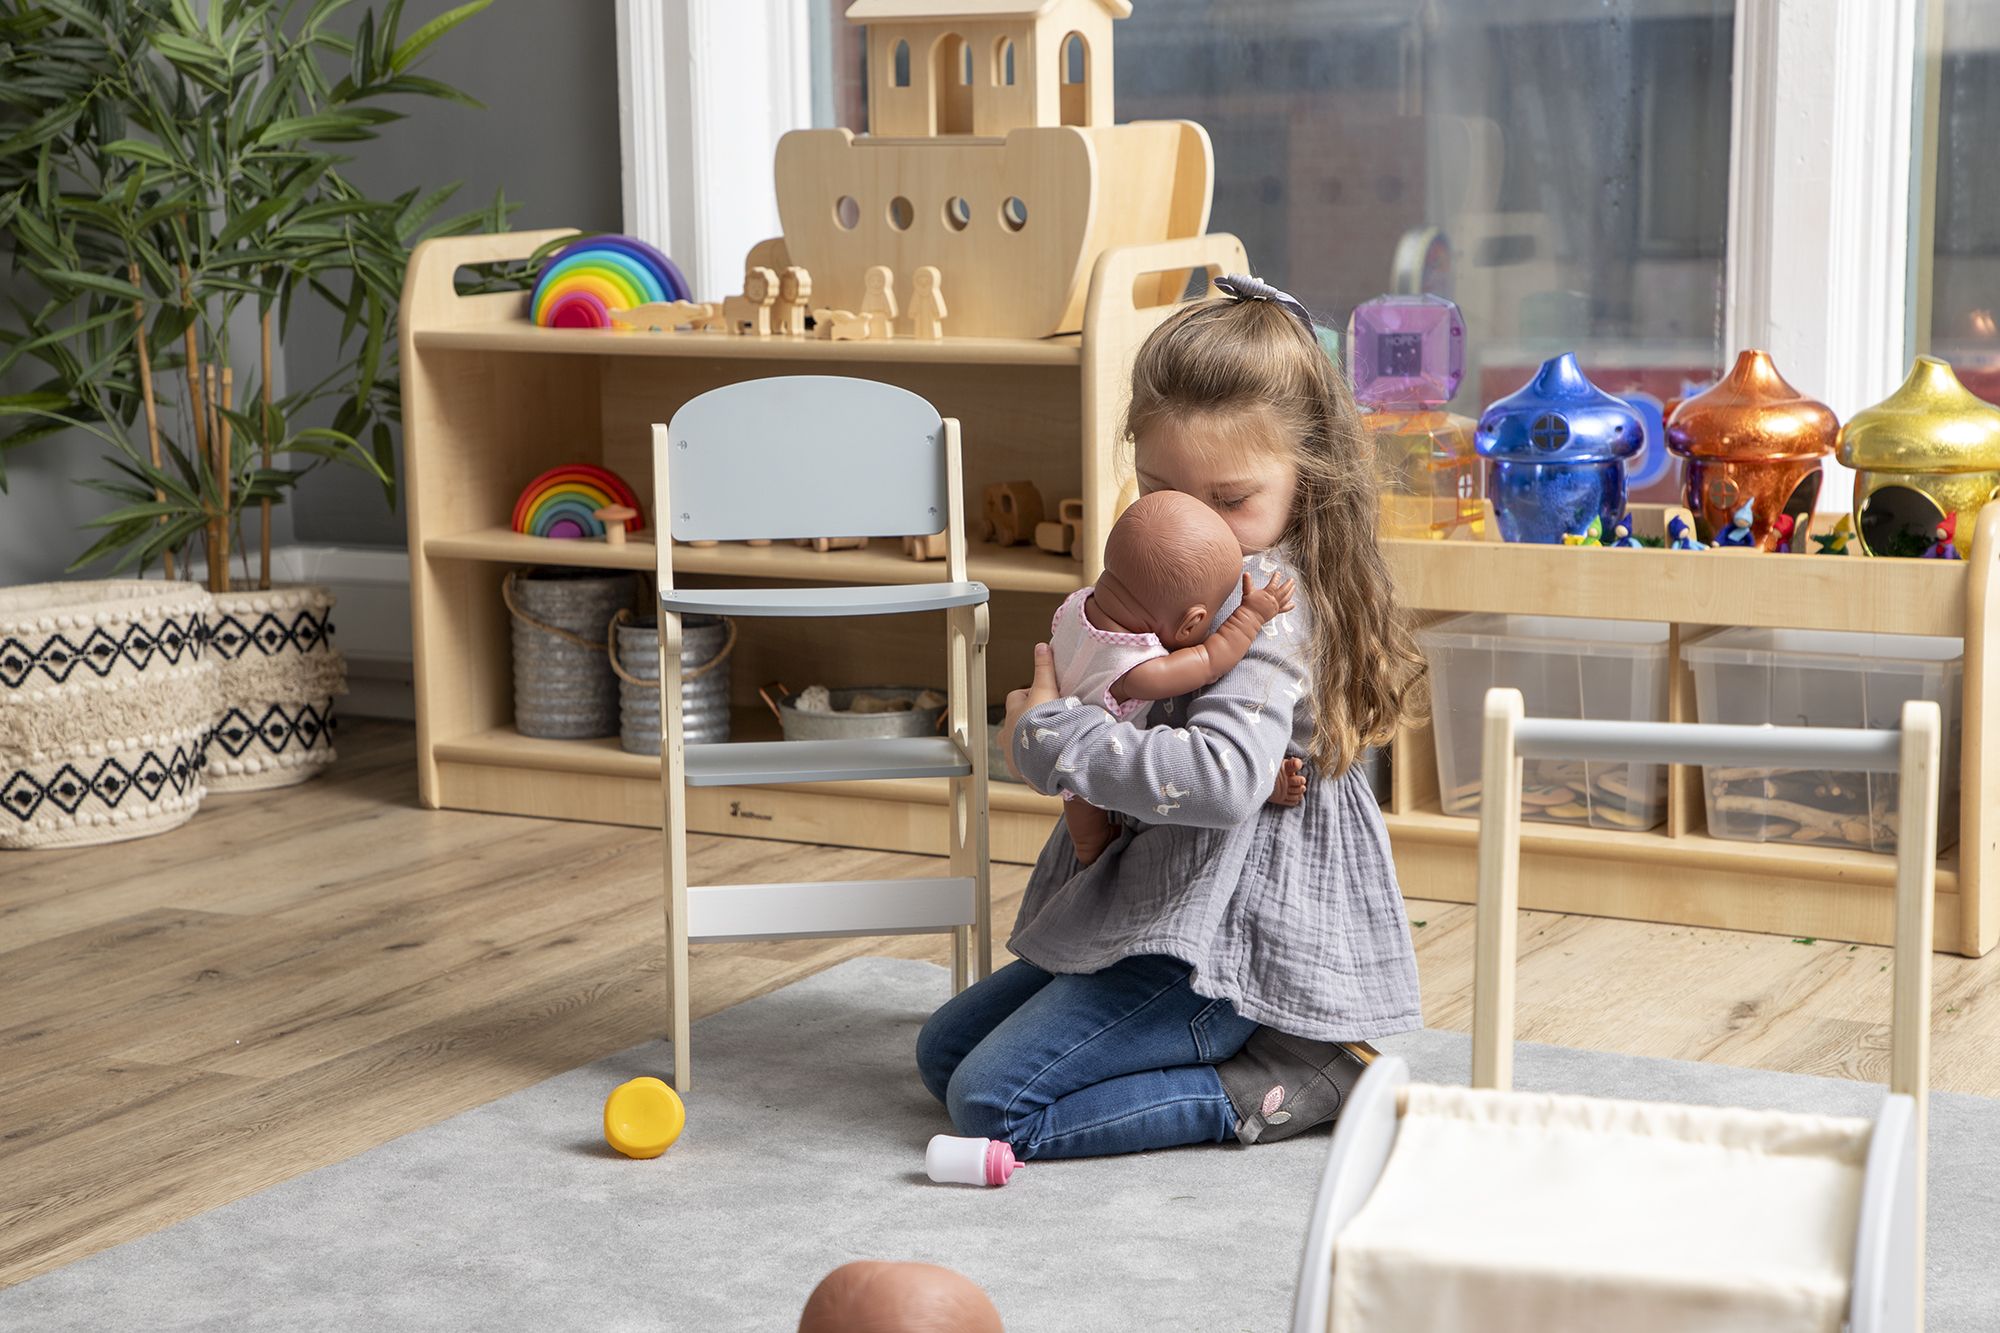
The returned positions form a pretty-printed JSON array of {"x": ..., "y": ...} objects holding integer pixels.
[{"x": 806, "y": 456}]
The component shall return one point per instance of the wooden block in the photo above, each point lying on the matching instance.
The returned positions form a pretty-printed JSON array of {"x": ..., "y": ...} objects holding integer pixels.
[
  {"x": 1055, "y": 538},
  {"x": 933, "y": 546},
  {"x": 794, "y": 290},
  {"x": 1012, "y": 509}
]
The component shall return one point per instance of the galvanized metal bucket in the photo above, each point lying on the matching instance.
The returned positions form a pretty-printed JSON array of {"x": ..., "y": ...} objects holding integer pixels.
[
  {"x": 564, "y": 688},
  {"x": 705, "y": 643}
]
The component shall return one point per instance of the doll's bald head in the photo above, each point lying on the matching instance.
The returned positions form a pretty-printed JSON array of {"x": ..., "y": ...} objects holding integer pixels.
[
  {"x": 874, "y": 1297},
  {"x": 1167, "y": 555}
]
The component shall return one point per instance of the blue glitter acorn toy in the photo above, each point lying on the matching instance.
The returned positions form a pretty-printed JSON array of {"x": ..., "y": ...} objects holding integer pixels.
[{"x": 1555, "y": 455}]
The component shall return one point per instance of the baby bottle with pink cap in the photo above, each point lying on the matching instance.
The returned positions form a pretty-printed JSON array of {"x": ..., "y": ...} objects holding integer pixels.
[{"x": 955, "y": 1161}]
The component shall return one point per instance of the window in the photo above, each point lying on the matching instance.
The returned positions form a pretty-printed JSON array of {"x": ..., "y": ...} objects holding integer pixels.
[
  {"x": 1965, "y": 260},
  {"x": 1572, "y": 155}
]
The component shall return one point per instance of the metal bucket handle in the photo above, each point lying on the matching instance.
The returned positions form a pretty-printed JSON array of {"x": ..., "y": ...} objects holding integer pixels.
[{"x": 626, "y": 617}]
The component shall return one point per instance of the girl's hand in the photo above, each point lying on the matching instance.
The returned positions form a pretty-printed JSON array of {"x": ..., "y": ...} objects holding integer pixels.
[{"x": 1020, "y": 701}]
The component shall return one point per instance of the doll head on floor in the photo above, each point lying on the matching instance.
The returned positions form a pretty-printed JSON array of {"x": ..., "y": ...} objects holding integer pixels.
[
  {"x": 874, "y": 1297},
  {"x": 1169, "y": 565}
]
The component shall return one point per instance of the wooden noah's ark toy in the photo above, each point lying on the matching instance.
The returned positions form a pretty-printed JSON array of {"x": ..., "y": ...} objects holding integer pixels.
[{"x": 991, "y": 158}]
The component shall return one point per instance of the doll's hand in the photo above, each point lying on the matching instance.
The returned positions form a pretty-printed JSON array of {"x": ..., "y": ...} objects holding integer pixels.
[
  {"x": 1270, "y": 601},
  {"x": 1290, "y": 788},
  {"x": 1020, "y": 701},
  {"x": 1090, "y": 830}
]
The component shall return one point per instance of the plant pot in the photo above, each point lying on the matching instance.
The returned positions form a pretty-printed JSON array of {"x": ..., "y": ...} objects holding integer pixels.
[
  {"x": 279, "y": 675},
  {"x": 107, "y": 696}
]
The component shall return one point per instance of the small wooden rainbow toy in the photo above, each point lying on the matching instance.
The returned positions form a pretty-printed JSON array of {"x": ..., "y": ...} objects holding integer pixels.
[
  {"x": 563, "y": 502},
  {"x": 583, "y": 283}
]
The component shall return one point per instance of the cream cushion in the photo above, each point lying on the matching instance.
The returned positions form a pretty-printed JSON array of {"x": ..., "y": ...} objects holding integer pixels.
[{"x": 1504, "y": 1211}]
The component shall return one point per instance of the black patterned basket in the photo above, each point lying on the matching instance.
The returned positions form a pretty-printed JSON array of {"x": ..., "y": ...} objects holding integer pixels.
[
  {"x": 107, "y": 698},
  {"x": 279, "y": 675}
]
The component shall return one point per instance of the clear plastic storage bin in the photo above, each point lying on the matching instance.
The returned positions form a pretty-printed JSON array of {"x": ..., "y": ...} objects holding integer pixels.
[
  {"x": 1596, "y": 670},
  {"x": 1820, "y": 678}
]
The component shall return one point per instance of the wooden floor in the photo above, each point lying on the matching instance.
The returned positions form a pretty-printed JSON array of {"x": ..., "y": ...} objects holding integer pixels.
[{"x": 297, "y": 976}]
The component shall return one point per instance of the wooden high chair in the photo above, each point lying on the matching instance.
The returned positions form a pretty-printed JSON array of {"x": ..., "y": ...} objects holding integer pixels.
[
  {"x": 821, "y": 456},
  {"x": 1480, "y": 1209}
]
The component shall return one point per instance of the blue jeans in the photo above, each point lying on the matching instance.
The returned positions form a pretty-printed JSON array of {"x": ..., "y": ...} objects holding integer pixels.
[{"x": 1117, "y": 1061}]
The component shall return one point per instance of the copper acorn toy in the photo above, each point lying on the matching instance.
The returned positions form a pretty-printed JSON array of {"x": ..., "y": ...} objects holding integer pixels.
[
  {"x": 1555, "y": 454},
  {"x": 1407, "y": 354},
  {"x": 1751, "y": 439},
  {"x": 1929, "y": 450}
]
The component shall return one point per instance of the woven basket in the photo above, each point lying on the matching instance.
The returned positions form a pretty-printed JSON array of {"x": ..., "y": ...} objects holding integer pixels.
[
  {"x": 107, "y": 695},
  {"x": 280, "y": 674}
]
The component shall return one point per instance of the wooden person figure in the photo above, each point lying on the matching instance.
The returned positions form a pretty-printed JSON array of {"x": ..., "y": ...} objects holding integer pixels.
[
  {"x": 927, "y": 310},
  {"x": 878, "y": 305},
  {"x": 753, "y": 308},
  {"x": 795, "y": 288}
]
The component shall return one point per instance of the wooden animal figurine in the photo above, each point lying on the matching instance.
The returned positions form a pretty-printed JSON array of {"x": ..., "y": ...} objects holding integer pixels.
[
  {"x": 1012, "y": 510},
  {"x": 1835, "y": 542},
  {"x": 795, "y": 288},
  {"x": 929, "y": 547},
  {"x": 927, "y": 310},
  {"x": 825, "y": 544},
  {"x": 666, "y": 316},
  {"x": 878, "y": 305},
  {"x": 751, "y": 312},
  {"x": 840, "y": 325}
]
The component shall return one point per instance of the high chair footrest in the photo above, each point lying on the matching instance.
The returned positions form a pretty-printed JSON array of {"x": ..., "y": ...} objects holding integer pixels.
[
  {"x": 824, "y": 761},
  {"x": 818, "y": 910},
  {"x": 886, "y": 599}
]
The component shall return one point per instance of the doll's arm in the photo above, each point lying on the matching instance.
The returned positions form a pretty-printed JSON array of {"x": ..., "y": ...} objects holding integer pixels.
[
  {"x": 1188, "y": 669},
  {"x": 1212, "y": 763}
]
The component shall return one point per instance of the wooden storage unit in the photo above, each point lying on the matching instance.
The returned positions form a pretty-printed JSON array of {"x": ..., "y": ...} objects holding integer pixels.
[
  {"x": 1678, "y": 873},
  {"x": 490, "y": 402}
]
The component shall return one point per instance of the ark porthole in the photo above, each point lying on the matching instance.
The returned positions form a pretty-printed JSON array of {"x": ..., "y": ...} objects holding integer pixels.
[
  {"x": 901, "y": 215},
  {"x": 957, "y": 213},
  {"x": 1013, "y": 213},
  {"x": 846, "y": 212}
]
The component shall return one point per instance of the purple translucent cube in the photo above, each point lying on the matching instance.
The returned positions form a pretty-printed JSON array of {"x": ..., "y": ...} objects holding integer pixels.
[{"x": 1406, "y": 351}]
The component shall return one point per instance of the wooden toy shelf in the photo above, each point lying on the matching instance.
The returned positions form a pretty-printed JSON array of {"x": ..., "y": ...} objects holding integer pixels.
[
  {"x": 490, "y": 401},
  {"x": 1677, "y": 873}
]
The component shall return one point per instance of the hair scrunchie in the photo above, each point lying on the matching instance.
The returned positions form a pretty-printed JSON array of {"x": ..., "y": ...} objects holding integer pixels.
[{"x": 1243, "y": 287}]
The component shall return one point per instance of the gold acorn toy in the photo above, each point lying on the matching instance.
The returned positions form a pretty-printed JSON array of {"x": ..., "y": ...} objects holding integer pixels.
[
  {"x": 1751, "y": 440},
  {"x": 1929, "y": 451}
]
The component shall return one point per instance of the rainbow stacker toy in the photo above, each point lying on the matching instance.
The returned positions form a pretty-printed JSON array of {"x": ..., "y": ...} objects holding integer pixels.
[
  {"x": 563, "y": 502},
  {"x": 583, "y": 283}
]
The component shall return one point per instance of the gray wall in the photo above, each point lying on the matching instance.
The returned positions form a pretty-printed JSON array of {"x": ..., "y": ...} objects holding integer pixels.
[{"x": 547, "y": 71}]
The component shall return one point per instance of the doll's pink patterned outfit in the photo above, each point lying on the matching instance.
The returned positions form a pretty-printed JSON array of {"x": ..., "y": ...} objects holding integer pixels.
[{"x": 1089, "y": 659}]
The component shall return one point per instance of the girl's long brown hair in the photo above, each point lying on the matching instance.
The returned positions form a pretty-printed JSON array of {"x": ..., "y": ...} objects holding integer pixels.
[{"x": 1229, "y": 361}]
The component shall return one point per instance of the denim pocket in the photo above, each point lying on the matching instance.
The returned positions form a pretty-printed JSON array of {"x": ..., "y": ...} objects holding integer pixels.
[{"x": 1219, "y": 1031}]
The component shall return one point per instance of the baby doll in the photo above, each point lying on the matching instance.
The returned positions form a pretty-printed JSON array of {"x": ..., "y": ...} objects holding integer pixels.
[
  {"x": 874, "y": 1297},
  {"x": 1138, "y": 634}
]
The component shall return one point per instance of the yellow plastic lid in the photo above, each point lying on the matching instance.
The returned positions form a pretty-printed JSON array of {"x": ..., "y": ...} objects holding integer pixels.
[{"x": 642, "y": 1118}]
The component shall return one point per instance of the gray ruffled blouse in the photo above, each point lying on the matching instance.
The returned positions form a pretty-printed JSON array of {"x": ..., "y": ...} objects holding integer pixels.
[{"x": 1290, "y": 913}]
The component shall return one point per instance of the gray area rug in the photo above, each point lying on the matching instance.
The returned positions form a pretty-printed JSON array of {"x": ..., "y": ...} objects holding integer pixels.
[{"x": 804, "y": 1149}]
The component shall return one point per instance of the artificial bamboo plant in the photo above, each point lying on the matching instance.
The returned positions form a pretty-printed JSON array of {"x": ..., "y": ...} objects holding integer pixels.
[{"x": 161, "y": 168}]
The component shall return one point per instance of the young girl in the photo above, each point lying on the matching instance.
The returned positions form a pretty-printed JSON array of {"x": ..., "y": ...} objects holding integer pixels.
[{"x": 1197, "y": 981}]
